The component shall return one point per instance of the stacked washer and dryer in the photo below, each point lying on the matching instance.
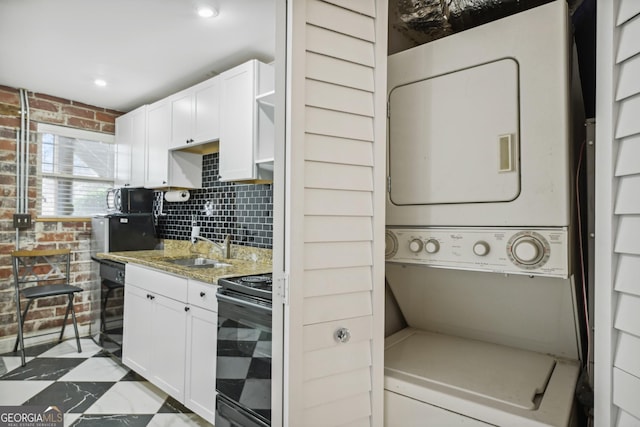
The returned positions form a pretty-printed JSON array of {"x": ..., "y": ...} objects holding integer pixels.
[{"x": 479, "y": 232}]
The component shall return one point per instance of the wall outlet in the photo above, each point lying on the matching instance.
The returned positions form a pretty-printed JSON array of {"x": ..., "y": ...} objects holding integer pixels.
[{"x": 21, "y": 221}]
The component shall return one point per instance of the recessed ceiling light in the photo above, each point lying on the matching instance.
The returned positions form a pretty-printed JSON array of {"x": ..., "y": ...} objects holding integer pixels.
[
  {"x": 100, "y": 82},
  {"x": 207, "y": 12}
]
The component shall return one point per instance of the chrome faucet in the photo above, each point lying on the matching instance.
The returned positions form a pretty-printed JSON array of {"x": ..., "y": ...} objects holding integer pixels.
[{"x": 224, "y": 248}]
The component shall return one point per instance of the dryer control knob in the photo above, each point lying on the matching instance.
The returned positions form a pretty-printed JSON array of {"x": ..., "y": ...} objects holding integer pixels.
[
  {"x": 481, "y": 248},
  {"x": 432, "y": 246},
  {"x": 415, "y": 245},
  {"x": 527, "y": 250}
]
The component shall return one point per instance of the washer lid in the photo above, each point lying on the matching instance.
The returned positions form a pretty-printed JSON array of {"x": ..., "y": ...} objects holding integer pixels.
[{"x": 496, "y": 372}]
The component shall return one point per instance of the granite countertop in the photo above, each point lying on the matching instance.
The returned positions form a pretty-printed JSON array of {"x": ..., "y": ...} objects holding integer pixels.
[{"x": 244, "y": 260}]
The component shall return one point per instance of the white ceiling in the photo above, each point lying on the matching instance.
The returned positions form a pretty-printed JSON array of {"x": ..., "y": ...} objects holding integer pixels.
[{"x": 144, "y": 49}]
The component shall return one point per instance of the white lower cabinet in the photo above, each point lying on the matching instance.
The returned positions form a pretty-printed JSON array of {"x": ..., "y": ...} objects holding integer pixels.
[{"x": 170, "y": 333}]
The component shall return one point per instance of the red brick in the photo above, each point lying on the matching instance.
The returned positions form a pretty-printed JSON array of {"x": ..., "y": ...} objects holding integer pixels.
[
  {"x": 83, "y": 123},
  {"x": 9, "y": 121},
  {"x": 49, "y": 97},
  {"x": 105, "y": 117},
  {"x": 108, "y": 128},
  {"x": 45, "y": 105},
  {"x": 47, "y": 117},
  {"x": 9, "y": 96},
  {"x": 8, "y": 144},
  {"x": 8, "y": 134},
  {"x": 87, "y": 106},
  {"x": 84, "y": 113}
]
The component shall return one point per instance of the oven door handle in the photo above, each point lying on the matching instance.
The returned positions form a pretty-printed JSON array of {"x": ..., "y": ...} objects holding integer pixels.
[{"x": 231, "y": 300}]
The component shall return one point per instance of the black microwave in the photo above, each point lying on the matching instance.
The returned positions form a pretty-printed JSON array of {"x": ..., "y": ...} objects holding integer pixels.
[{"x": 130, "y": 200}]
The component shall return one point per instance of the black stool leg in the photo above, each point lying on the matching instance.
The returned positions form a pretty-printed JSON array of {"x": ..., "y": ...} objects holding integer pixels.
[
  {"x": 21, "y": 326},
  {"x": 75, "y": 323}
]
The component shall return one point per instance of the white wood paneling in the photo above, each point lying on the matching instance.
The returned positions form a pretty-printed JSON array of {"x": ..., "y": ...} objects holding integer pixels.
[
  {"x": 628, "y": 154},
  {"x": 628, "y": 123},
  {"x": 342, "y": 358},
  {"x": 628, "y": 43},
  {"x": 337, "y": 203},
  {"x": 336, "y": 123},
  {"x": 337, "y": 281},
  {"x": 323, "y": 148},
  {"x": 340, "y": 20},
  {"x": 339, "y": 98},
  {"x": 365, "y": 7},
  {"x": 626, "y": 354},
  {"x": 320, "y": 335},
  {"x": 326, "y": 42},
  {"x": 338, "y": 177},
  {"x": 343, "y": 73},
  {"x": 337, "y": 229},
  {"x": 338, "y": 412},
  {"x": 628, "y": 314},
  {"x": 627, "y": 9},
  {"x": 628, "y": 235},
  {"x": 331, "y": 307},
  {"x": 626, "y": 389},
  {"x": 340, "y": 172},
  {"x": 336, "y": 387},
  {"x": 337, "y": 255},
  {"x": 628, "y": 200},
  {"x": 627, "y": 272},
  {"x": 625, "y": 419},
  {"x": 629, "y": 85}
]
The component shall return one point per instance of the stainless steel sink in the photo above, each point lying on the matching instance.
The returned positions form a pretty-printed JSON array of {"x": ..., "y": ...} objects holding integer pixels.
[{"x": 199, "y": 262}]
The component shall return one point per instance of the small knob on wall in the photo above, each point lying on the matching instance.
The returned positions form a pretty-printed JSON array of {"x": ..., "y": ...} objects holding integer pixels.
[{"x": 342, "y": 335}]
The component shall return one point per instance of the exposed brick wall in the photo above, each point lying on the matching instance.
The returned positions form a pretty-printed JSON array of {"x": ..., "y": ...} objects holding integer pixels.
[{"x": 46, "y": 314}]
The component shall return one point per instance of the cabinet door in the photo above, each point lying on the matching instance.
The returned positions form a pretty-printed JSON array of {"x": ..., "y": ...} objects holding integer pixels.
[
  {"x": 158, "y": 133},
  {"x": 200, "y": 392},
  {"x": 237, "y": 103},
  {"x": 181, "y": 118},
  {"x": 206, "y": 111},
  {"x": 131, "y": 138},
  {"x": 168, "y": 351},
  {"x": 137, "y": 335}
]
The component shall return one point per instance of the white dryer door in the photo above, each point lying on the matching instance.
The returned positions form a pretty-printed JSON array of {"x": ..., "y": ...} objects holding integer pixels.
[{"x": 454, "y": 138}]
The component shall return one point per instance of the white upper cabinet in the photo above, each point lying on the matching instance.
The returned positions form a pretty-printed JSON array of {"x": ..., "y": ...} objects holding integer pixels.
[
  {"x": 131, "y": 136},
  {"x": 195, "y": 114},
  {"x": 246, "y": 122},
  {"x": 165, "y": 168}
]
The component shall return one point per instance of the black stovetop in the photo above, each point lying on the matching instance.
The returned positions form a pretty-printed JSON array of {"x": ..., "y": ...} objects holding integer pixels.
[{"x": 257, "y": 285}]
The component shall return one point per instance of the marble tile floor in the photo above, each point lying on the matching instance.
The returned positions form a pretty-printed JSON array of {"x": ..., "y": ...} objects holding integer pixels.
[{"x": 93, "y": 388}]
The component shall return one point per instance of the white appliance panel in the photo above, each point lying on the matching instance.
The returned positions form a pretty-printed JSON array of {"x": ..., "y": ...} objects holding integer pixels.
[
  {"x": 419, "y": 391},
  {"x": 537, "y": 192},
  {"x": 539, "y": 252},
  {"x": 448, "y": 151},
  {"x": 531, "y": 313}
]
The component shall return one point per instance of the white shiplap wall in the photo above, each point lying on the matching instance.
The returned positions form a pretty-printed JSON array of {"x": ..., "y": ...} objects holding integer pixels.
[
  {"x": 335, "y": 212},
  {"x": 617, "y": 295}
]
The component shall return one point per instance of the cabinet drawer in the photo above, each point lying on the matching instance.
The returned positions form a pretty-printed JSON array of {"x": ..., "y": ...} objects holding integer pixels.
[
  {"x": 203, "y": 295},
  {"x": 158, "y": 282}
]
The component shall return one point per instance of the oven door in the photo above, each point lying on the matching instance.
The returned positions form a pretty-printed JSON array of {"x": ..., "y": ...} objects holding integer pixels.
[{"x": 243, "y": 373}]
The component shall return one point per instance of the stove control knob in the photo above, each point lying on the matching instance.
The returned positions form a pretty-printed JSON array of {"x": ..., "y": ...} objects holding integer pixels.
[
  {"x": 415, "y": 246},
  {"x": 481, "y": 248},
  {"x": 527, "y": 250},
  {"x": 432, "y": 246}
]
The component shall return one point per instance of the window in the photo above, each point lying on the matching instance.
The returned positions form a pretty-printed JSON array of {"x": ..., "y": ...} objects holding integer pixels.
[{"x": 76, "y": 169}]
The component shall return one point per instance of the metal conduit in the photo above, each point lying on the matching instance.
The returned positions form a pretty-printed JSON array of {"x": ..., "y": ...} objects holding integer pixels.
[{"x": 22, "y": 159}]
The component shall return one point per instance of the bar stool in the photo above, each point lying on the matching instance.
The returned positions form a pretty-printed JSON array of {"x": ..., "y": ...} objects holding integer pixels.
[{"x": 42, "y": 274}]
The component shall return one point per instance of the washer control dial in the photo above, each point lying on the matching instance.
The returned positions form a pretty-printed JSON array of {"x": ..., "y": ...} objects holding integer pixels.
[
  {"x": 528, "y": 250},
  {"x": 415, "y": 245},
  {"x": 481, "y": 248},
  {"x": 432, "y": 246},
  {"x": 390, "y": 244}
]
